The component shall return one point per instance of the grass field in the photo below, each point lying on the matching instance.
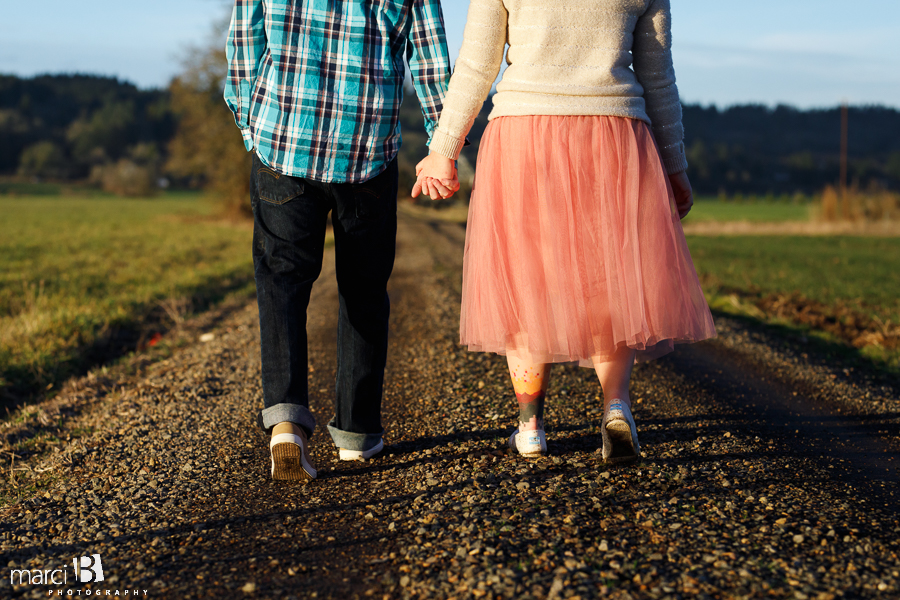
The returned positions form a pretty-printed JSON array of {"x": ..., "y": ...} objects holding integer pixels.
[
  {"x": 708, "y": 209},
  {"x": 844, "y": 290},
  {"x": 80, "y": 275},
  {"x": 705, "y": 209},
  {"x": 858, "y": 271},
  {"x": 86, "y": 278}
]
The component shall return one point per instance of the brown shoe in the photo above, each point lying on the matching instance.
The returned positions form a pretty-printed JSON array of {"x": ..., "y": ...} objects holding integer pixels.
[{"x": 290, "y": 457}]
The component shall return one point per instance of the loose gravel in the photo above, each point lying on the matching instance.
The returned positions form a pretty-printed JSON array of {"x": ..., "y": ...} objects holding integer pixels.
[{"x": 768, "y": 471}]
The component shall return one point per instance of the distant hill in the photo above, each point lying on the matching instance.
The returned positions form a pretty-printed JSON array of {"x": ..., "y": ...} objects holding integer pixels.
[
  {"x": 60, "y": 126},
  {"x": 757, "y": 149},
  {"x": 64, "y": 126}
]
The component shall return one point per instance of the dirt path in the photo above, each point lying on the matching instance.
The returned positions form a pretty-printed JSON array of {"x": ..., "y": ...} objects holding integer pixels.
[{"x": 768, "y": 471}]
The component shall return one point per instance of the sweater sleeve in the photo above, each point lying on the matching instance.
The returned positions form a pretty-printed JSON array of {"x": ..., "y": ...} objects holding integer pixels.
[
  {"x": 653, "y": 67},
  {"x": 473, "y": 75}
]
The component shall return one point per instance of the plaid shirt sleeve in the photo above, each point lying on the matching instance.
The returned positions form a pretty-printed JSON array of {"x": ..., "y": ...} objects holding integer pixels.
[
  {"x": 429, "y": 63},
  {"x": 244, "y": 49}
]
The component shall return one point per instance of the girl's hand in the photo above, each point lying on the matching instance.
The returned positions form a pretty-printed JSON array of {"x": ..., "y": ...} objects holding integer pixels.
[
  {"x": 437, "y": 177},
  {"x": 684, "y": 197}
]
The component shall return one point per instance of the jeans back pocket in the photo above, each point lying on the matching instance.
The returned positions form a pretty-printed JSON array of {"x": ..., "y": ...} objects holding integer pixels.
[{"x": 276, "y": 188}]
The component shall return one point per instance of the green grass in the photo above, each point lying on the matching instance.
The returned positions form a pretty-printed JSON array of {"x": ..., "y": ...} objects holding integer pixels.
[
  {"x": 754, "y": 211},
  {"x": 705, "y": 209},
  {"x": 19, "y": 188},
  {"x": 80, "y": 275},
  {"x": 858, "y": 271},
  {"x": 14, "y": 186}
]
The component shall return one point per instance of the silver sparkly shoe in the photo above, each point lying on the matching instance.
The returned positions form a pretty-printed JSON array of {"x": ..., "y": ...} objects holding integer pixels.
[{"x": 620, "y": 440}]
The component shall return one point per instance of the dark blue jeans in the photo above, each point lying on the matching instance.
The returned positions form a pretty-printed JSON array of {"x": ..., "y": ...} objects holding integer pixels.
[{"x": 290, "y": 215}]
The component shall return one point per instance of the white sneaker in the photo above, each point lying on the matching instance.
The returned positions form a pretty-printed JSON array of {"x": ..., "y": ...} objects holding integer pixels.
[
  {"x": 530, "y": 444},
  {"x": 620, "y": 441},
  {"x": 290, "y": 458},
  {"x": 361, "y": 454}
]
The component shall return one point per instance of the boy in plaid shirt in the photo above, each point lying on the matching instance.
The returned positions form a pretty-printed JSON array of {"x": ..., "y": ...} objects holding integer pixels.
[{"x": 315, "y": 87}]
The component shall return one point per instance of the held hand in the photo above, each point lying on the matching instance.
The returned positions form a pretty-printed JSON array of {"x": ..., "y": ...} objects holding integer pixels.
[
  {"x": 684, "y": 197},
  {"x": 433, "y": 188},
  {"x": 437, "y": 177}
]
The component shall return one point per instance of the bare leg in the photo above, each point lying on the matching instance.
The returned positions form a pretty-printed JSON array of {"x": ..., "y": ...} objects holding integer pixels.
[
  {"x": 620, "y": 442},
  {"x": 530, "y": 383},
  {"x": 615, "y": 376}
]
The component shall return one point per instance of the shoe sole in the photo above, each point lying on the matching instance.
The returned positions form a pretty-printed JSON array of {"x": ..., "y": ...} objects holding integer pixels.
[
  {"x": 289, "y": 463},
  {"x": 360, "y": 454},
  {"x": 617, "y": 443},
  {"x": 537, "y": 454}
]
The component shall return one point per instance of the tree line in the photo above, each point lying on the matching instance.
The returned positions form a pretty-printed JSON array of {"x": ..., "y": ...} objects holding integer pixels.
[
  {"x": 128, "y": 140},
  {"x": 77, "y": 127},
  {"x": 756, "y": 149}
]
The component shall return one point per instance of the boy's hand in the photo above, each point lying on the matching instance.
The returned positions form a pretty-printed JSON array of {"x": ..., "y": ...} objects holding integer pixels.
[
  {"x": 437, "y": 177},
  {"x": 684, "y": 196}
]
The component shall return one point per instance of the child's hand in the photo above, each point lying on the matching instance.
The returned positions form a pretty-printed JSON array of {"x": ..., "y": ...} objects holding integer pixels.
[
  {"x": 684, "y": 197},
  {"x": 437, "y": 177}
]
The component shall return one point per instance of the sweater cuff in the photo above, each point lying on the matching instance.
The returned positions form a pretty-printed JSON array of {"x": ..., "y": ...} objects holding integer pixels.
[
  {"x": 677, "y": 162},
  {"x": 446, "y": 145}
]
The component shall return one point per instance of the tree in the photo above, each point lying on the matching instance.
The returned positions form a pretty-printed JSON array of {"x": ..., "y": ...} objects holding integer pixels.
[
  {"x": 136, "y": 175},
  {"x": 893, "y": 166},
  {"x": 43, "y": 159},
  {"x": 105, "y": 133},
  {"x": 207, "y": 146}
]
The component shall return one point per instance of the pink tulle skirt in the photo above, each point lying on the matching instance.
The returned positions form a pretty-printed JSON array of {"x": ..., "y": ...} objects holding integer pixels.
[{"x": 574, "y": 248}]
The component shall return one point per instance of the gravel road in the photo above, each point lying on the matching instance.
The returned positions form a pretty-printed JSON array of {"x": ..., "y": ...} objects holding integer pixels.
[{"x": 769, "y": 470}]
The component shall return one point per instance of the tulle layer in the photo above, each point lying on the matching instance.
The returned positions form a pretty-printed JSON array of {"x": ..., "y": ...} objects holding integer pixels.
[{"x": 574, "y": 248}]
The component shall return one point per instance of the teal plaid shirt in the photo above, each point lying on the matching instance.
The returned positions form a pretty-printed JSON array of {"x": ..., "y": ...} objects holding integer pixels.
[{"x": 315, "y": 85}]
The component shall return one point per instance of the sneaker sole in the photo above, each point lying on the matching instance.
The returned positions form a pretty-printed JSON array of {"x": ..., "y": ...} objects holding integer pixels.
[
  {"x": 360, "y": 454},
  {"x": 617, "y": 442},
  {"x": 537, "y": 454},
  {"x": 289, "y": 463}
]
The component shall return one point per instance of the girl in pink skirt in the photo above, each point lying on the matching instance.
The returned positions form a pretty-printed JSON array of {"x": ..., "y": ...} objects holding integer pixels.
[{"x": 574, "y": 246}]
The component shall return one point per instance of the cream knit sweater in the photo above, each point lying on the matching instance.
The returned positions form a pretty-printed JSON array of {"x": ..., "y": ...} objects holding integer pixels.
[{"x": 567, "y": 57}]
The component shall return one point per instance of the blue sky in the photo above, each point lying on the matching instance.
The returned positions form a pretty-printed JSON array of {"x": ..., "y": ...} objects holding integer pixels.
[{"x": 800, "y": 52}]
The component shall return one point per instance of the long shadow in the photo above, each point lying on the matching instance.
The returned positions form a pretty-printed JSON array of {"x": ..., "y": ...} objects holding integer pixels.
[
  {"x": 803, "y": 421},
  {"x": 263, "y": 521},
  {"x": 430, "y": 442},
  {"x": 258, "y": 521},
  {"x": 753, "y": 402},
  {"x": 819, "y": 352},
  {"x": 230, "y": 542}
]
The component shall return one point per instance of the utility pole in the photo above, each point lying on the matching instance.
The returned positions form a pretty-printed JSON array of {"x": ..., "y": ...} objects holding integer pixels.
[{"x": 845, "y": 126}]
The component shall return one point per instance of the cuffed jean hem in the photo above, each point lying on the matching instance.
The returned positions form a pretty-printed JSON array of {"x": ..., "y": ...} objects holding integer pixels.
[
  {"x": 295, "y": 413},
  {"x": 354, "y": 441}
]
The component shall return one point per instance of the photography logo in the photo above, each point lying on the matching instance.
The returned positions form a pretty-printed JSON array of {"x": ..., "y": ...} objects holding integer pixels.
[{"x": 88, "y": 568}]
